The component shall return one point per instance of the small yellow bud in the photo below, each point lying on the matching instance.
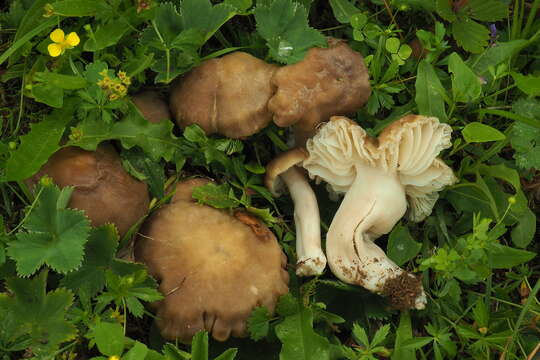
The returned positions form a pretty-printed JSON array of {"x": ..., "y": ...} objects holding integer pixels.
[
  {"x": 483, "y": 330},
  {"x": 512, "y": 200}
]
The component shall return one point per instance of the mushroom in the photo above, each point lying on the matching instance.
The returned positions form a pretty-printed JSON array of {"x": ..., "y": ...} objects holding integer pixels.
[
  {"x": 329, "y": 81},
  {"x": 226, "y": 95},
  {"x": 378, "y": 177},
  {"x": 151, "y": 106},
  {"x": 102, "y": 188},
  {"x": 282, "y": 174},
  {"x": 214, "y": 268}
]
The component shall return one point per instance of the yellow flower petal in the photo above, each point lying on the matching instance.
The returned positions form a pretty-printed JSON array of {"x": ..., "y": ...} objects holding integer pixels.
[
  {"x": 55, "y": 49},
  {"x": 57, "y": 36},
  {"x": 73, "y": 39}
]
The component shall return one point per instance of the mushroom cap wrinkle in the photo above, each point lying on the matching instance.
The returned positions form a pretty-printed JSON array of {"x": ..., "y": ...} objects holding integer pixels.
[
  {"x": 226, "y": 95},
  {"x": 102, "y": 188},
  {"x": 382, "y": 179},
  {"x": 213, "y": 267},
  {"x": 327, "y": 82}
]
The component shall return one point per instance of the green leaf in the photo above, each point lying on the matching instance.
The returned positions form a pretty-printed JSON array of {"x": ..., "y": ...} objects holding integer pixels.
[
  {"x": 109, "y": 338},
  {"x": 143, "y": 168},
  {"x": 229, "y": 354},
  {"x": 444, "y": 9},
  {"x": 392, "y": 45},
  {"x": 470, "y": 35},
  {"x": 68, "y": 82},
  {"x": 218, "y": 196},
  {"x": 156, "y": 140},
  {"x": 108, "y": 34},
  {"x": 476, "y": 132},
  {"x": 506, "y": 257},
  {"x": 401, "y": 245},
  {"x": 525, "y": 139},
  {"x": 48, "y": 94},
  {"x": 78, "y": 8},
  {"x": 466, "y": 85},
  {"x": 429, "y": 92},
  {"x": 403, "y": 334},
  {"x": 54, "y": 236},
  {"x": 360, "y": 335},
  {"x": 202, "y": 16},
  {"x": 199, "y": 346},
  {"x": 300, "y": 341},
  {"x": 137, "y": 352},
  {"x": 343, "y": 10},
  {"x": 494, "y": 55},
  {"x": 38, "y": 314},
  {"x": 529, "y": 84},
  {"x": 100, "y": 250},
  {"x": 284, "y": 26},
  {"x": 486, "y": 10},
  {"x": 380, "y": 335},
  {"x": 258, "y": 323},
  {"x": 166, "y": 26},
  {"x": 37, "y": 146},
  {"x": 524, "y": 232}
]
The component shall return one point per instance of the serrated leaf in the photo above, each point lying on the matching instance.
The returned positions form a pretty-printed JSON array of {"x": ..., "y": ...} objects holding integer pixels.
[
  {"x": 109, "y": 338},
  {"x": 100, "y": 250},
  {"x": 429, "y": 92},
  {"x": 478, "y": 132},
  {"x": 215, "y": 195},
  {"x": 470, "y": 35},
  {"x": 300, "y": 341},
  {"x": 401, "y": 245},
  {"x": 258, "y": 323},
  {"x": 360, "y": 335},
  {"x": 39, "y": 314},
  {"x": 37, "y": 146},
  {"x": 466, "y": 84},
  {"x": 156, "y": 140},
  {"x": 486, "y": 10},
  {"x": 145, "y": 169},
  {"x": 54, "y": 236},
  {"x": 284, "y": 26},
  {"x": 166, "y": 26},
  {"x": 202, "y": 16},
  {"x": 229, "y": 354}
]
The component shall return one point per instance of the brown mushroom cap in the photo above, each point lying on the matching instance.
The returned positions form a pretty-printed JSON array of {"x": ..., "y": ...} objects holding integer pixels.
[
  {"x": 213, "y": 267},
  {"x": 330, "y": 81},
  {"x": 226, "y": 95},
  {"x": 103, "y": 189},
  {"x": 152, "y": 106}
]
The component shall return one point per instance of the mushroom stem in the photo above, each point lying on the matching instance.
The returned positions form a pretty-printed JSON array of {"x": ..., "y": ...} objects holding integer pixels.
[
  {"x": 311, "y": 259},
  {"x": 352, "y": 255}
]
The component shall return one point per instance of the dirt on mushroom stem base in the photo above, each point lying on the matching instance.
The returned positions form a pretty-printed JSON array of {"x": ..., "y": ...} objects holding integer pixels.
[{"x": 402, "y": 290}]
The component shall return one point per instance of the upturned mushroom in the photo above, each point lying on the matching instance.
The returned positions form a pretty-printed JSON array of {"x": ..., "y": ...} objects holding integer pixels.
[
  {"x": 382, "y": 179},
  {"x": 283, "y": 174},
  {"x": 226, "y": 95},
  {"x": 213, "y": 267},
  {"x": 102, "y": 188},
  {"x": 327, "y": 82}
]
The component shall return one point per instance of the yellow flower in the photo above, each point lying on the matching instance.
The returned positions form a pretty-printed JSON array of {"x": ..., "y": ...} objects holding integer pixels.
[
  {"x": 114, "y": 357},
  {"x": 62, "y": 42}
]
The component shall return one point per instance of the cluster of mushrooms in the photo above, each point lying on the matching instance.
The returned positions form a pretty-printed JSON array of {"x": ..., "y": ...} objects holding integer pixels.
[{"x": 214, "y": 266}]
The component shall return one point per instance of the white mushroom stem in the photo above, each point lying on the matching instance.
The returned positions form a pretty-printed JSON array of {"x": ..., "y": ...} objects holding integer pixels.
[
  {"x": 311, "y": 259},
  {"x": 372, "y": 206}
]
